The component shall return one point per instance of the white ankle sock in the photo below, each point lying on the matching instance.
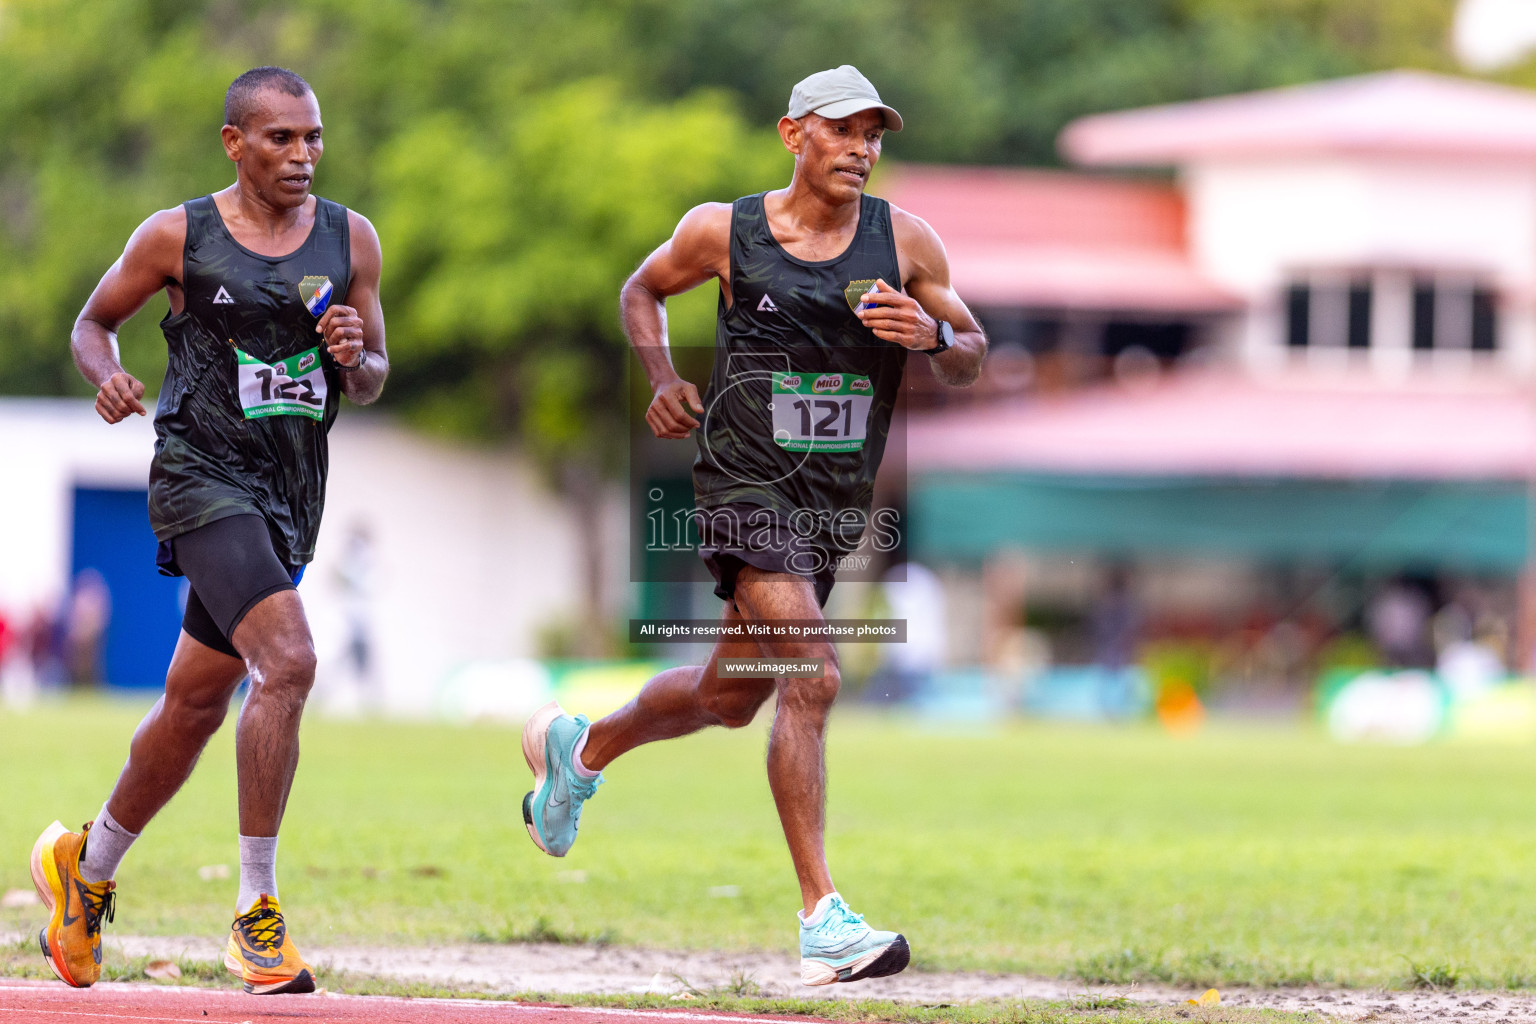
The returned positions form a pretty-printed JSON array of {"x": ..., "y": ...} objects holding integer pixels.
[
  {"x": 105, "y": 845},
  {"x": 576, "y": 749},
  {"x": 258, "y": 870},
  {"x": 818, "y": 912}
]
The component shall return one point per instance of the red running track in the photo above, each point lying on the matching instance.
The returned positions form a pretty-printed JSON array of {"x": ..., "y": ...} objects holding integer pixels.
[{"x": 53, "y": 1003}]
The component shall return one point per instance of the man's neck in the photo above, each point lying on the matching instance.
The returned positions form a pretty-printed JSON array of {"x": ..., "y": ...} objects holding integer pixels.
[
  {"x": 259, "y": 214},
  {"x": 814, "y": 211}
]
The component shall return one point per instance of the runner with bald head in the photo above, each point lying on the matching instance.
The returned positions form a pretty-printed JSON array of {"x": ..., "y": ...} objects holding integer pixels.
[
  {"x": 823, "y": 292},
  {"x": 274, "y": 314}
]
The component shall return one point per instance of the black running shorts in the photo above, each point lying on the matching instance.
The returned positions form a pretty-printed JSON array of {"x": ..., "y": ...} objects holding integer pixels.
[
  {"x": 231, "y": 566},
  {"x": 740, "y": 533}
]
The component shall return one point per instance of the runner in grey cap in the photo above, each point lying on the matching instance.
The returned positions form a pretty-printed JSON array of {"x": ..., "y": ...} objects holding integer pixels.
[{"x": 824, "y": 294}]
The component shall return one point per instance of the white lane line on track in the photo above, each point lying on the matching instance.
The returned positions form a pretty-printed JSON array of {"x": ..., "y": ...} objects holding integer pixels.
[
  {"x": 37, "y": 1013},
  {"x": 613, "y": 1011}
]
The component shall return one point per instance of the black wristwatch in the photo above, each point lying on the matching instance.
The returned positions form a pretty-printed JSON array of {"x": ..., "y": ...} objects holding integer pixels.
[
  {"x": 946, "y": 339},
  {"x": 362, "y": 357}
]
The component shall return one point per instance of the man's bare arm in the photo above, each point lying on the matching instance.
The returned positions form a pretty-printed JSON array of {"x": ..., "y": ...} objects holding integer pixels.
[
  {"x": 698, "y": 250},
  {"x": 911, "y": 319},
  {"x": 357, "y": 327},
  {"x": 151, "y": 261}
]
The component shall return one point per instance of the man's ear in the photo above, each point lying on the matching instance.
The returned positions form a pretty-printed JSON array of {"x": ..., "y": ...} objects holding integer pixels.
[{"x": 792, "y": 132}]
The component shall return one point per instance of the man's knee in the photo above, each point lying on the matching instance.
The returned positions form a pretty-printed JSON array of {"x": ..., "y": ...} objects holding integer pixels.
[
  {"x": 197, "y": 714},
  {"x": 286, "y": 666},
  {"x": 813, "y": 694},
  {"x": 737, "y": 708}
]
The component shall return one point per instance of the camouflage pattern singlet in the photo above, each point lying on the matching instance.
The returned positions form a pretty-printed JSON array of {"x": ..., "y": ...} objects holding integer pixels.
[
  {"x": 799, "y": 405},
  {"x": 250, "y": 391}
]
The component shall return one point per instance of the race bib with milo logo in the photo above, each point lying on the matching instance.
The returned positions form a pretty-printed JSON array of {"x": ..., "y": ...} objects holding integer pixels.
[
  {"x": 294, "y": 386},
  {"x": 820, "y": 412}
]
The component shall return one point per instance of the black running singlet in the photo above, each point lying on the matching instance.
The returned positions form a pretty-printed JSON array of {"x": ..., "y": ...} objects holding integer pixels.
[
  {"x": 799, "y": 405},
  {"x": 250, "y": 390}
]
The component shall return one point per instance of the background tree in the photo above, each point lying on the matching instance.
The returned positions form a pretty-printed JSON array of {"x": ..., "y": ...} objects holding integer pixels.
[{"x": 521, "y": 156}]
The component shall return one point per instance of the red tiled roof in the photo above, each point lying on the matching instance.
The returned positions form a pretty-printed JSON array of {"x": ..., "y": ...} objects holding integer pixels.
[
  {"x": 1026, "y": 205},
  {"x": 1397, "y": 112},
  {"x": 1058, "y": 240},
  {"x": 1223, "y": 424}
]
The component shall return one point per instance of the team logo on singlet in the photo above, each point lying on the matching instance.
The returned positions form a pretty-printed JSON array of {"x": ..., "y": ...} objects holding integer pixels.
[
  {"x": 855, "y": 289},
  {"x": 222, "y": 297},
  {"x": 316, "y": 293},
  {"x": 766, "y": 305}
]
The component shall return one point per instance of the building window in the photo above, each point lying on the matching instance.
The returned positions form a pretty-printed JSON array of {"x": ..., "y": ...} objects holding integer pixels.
[
  {"x": 1483, "y": 321},
  {"x": 1453, "y": 316},
  {"x": 1423, "y": 316},
  {"x": 1360, "y": 315},
  {"x": 1421, "y": 313},
  {"x": 1298, "y": 315},
  {"x": 1328, "y": 314}
]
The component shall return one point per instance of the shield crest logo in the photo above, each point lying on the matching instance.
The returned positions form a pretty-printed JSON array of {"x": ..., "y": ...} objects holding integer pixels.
[
  {"x": 854, "y": 290},
  {"x": 316, "y": 293}
]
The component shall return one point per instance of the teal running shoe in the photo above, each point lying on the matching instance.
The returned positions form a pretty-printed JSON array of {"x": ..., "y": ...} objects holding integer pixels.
[
  {"x": 841, "y": 947},
  {"x": 553, "y": 810}
]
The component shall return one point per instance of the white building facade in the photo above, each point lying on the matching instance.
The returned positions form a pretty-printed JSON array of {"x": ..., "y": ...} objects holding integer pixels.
[
  {"x": 1385, "y": 221},
  {"x": 468, "y": 555}
]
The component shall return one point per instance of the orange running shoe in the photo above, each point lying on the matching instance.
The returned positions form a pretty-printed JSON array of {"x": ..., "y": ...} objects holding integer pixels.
[
  {"x": 72, "y": 940},
  {"x": 259, "y": 951}
]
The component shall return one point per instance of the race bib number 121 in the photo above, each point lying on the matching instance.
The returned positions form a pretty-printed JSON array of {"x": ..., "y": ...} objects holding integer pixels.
[
  {"x": 820, "y": 412},
  {"x": 294, "y": 386}
]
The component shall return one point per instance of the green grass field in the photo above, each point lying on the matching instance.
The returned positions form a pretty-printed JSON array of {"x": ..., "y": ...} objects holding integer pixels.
[{"x": 1243, "y": 855}]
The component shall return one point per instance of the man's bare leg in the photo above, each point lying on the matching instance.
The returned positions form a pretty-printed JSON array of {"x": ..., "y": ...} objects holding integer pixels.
[
  {"x": 164, "y": 750},
  {"x": 684, "y": 700},
  {"x": 161, "y": 756},
  {"x": 835, "y": 944},
  {"x": 274, "y": 639},
  {"x": 172, "y": 736},
  {"x": 567, "y": 755},
  {"x": 275, "y": 642},
  {"x": 797, "y": 766},
  {"x": 680, "y": 701}
]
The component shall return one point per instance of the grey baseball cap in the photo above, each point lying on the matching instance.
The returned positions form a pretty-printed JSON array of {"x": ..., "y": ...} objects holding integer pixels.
[{"x": 838, "y": 93}]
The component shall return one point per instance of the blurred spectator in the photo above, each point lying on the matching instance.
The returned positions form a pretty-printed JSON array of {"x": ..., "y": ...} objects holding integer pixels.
[
  {"x": 1115, "y": 622},
  {"x": 43, "y": 647},
  {"x": 356, "y": 576},
  {"x": 11, "y": 673},
  {"x": 7, "y": 637},
  {"x": 905, "y": 668},
  {"x": 1466, "y": 664},
  {"x": 85, "y": 628},
  {"x": 1114, "y": 626},
  {"x": 1398, "y": 620}
]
